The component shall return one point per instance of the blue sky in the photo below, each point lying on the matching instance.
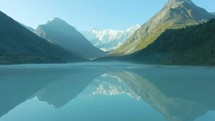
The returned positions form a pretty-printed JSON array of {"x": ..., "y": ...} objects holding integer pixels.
[{"x": 86, "y": 14}]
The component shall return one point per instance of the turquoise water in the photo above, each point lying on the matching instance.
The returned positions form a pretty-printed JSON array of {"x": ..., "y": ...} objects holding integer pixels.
[{"x": 106, "y": 92}]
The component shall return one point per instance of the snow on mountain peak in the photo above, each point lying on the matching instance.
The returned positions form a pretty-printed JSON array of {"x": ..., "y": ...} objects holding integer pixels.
[
  {"x": 109, "y": 39},
  {"x": 133, "y": 28}
]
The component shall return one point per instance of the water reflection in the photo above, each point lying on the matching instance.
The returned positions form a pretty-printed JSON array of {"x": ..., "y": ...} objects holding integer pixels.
[
  {"x": 109, "y": 84},
  {"x": 62, "y": 91},
  {"x": 57, "y": 86},
  {"x": 174, "y": 107},
  {"x": 177, "y": 93}
]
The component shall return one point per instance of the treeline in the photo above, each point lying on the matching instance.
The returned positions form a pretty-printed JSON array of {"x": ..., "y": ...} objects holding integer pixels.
[{"x": 190, "y": 45}]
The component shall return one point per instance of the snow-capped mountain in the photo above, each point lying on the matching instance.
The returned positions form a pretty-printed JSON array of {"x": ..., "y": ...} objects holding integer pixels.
[{"x": 109, "y": 39}]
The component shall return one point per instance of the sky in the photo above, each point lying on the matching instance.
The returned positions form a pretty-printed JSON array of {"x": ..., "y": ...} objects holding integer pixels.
[{"x": 87, "y": 14}]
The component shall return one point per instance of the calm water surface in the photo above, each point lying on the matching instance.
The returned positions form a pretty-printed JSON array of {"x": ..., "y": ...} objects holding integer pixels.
[{"x": 106, "y": 92}]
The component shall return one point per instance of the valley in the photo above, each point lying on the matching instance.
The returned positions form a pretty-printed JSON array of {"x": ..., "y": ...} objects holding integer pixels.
[{"x": 115, "y": 60}]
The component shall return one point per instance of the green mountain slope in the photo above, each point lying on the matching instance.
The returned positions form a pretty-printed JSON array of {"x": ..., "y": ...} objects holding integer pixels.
[
  {"x": 175, "y": 14},
  {"x": 191, "y": 45},
  {"x": 19, "y": 45},
  {"x": 62, "y": 34}
]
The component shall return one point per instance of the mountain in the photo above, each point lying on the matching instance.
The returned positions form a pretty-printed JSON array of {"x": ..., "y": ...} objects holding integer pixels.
[
  {"x": 175, "y": 14},
  {"x": 109, "y": 39},
  {"x": 60, "y": 33},
  {"x": 19, "y": 45},
  {"x": 191, "y": 45},
  {"x": 213, "y": 13}
]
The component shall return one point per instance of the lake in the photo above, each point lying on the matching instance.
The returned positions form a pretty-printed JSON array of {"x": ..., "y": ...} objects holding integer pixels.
[{"x": 106, "y": 92}]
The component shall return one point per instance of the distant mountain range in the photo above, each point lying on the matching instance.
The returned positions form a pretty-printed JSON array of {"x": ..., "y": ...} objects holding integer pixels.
[
  {"x": 109, "y": 39},
  {"x": 175, "y": 14},
  {"x": 60, "y": 33},
  {"x": 19, "y": 45}
]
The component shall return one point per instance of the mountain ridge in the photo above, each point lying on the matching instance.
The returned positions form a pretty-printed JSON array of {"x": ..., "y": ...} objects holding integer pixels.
[{"x": 28, "y": 27}]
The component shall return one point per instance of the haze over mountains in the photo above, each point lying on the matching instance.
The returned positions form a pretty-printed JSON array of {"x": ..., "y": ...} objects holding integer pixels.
[
  {"x": 19, "y": 45},
  {"x": 175, "y": 14},
  {"x": 109, "y": 39},
  {"x": 62, "y": 34}
]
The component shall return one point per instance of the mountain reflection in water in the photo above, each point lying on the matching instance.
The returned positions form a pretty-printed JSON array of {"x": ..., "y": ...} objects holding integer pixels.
[{"x": 175, "y": 93}]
